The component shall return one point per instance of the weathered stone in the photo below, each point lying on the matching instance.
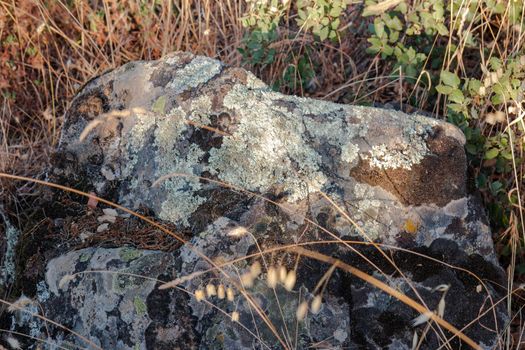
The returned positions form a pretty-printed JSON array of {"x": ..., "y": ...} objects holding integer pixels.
[
  {"x": 249, "y": 165},
  {"x": 8, "y": 239}
]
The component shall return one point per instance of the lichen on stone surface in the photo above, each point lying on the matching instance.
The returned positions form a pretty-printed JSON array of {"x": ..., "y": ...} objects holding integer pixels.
[
  {"x": 398, "y": 156},
  {"x": 349, "y": 152},
  {"x": 175, "y": 157},
  {"x": 278, "y": 154},
  {"x": 7, "y": 272},
  {"x": 198, "y": 71}
]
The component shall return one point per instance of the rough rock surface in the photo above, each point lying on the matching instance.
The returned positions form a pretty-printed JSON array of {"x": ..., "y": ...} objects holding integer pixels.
[
  {"x": 8, "y": 240},
  {"x": 250, "y": 169}
]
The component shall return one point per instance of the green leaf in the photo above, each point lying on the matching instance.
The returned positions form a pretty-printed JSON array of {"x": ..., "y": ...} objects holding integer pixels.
[
  {"x": 402, "y": 7},
  {"x": 335, "y": 23},
  {"x": 491, "y": 153},
  {"x": 323, "y": 33},
  {"x": 450, "y": 79},
  {"x": 444, "y": 90},
  {"x": 335, "y": 11},
  {"x": 388, "y": 50},
  {"x": 456, "y": 96},
  {"x": 473, "y": 87},
  {"x": 506, "y": 154},
  {"x": 495, "y": 186},
  {"x": 379, "y": 28},
  {"x": 472, "y": 149}
]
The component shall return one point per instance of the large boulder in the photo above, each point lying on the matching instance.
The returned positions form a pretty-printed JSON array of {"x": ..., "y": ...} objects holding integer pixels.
[{"x": 235, "y": 169}]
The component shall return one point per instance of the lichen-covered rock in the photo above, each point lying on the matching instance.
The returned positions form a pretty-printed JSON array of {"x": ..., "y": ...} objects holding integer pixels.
[
  {"x": 242, "y": 170},
  {"x": 8, "y": 239}
]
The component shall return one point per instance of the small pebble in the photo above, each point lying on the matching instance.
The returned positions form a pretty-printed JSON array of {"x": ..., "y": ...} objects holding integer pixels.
[
  {"x": 102, "y": 228},
  {"x": 110, "y": 212},
  {"x": 107, "y": 218}
]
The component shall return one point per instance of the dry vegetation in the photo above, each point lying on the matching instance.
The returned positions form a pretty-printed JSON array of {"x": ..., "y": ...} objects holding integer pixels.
[{"x": 48, "y": 49}]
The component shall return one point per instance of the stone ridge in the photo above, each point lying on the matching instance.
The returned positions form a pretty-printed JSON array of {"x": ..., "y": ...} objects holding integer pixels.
[
  {"x": 249, "y": 171},
  {"x": 270, "y": 143}
]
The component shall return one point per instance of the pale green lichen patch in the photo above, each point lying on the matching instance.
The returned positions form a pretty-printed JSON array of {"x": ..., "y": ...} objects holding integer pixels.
[
  {"x": 140, "y": 306},
  {"x": 181, "y": 200},
  {"x": 198, "y": 71},
  {"x": 349, "y": 152},
  {"x": 398, "y": 142},
  {"x": 159, "y": 105},
  {"x": 84, "y": 257},
  {"x": 142, "y": 124},
  {"x": 127, "y": 254},
  {"x": 403, "y": 155},
  {"x": 200, "y": 110},
  {"x": 252, "y": 82},
  {"x": 278, "y": 154},
  {"x": 7, "y": 273}
]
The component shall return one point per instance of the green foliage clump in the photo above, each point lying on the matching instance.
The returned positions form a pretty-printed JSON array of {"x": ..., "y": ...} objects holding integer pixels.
[
  {"x": 452, "y": 49},
  {"x": 262, "y": 20},
  {"x": 322, "y": 17},
  {"x": 264, "y": 15}
]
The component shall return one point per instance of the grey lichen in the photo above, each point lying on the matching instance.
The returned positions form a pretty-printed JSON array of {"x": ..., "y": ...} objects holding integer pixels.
[
  {"x": 7, "y": 271},
  {"x": 198, "y": 71},
  {"x": 403, "y": 155},
  {"x": 349, "y": 152},
  {"x": 278, "y": 154},
  {"x": 181, "y": 199}
]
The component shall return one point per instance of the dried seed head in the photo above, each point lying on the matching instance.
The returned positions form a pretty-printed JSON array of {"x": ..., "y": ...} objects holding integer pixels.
[
  {"x": 496, "y": 117},
  {"x": 238, "y": 232},
  {"x": 289, "y": 282},
  {"x": 22, "y": 302},
  {"x": 441, "y": 288},
  {"x": 65, "y": 280},
  {"x": 441, "y": 307},
  {"x": 247, "y": 280},
  {"x": 494, "y": 78},
  {"x": 199, "y": 295},
  {"x": 316, "y": 304},
  {"x": 415, "y": 341},
  {"x": 255, "y": 269},
  {"x": 282, "y": 274},
  {"x": 272, "y": 277},
  {"x": 302, "y": 310},
  {"x": 421, "y": 319},
  {"x": 211, "y": 290},
  {"x": 235, "y": 316},
  {"x": 229, "y": 294},
  {"x": 482, "y": 90},
  {"x": 221, "y": 293}
]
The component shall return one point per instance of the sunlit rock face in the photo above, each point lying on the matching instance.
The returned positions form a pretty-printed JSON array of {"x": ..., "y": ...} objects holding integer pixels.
[{"x": 236, "y": 169}]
